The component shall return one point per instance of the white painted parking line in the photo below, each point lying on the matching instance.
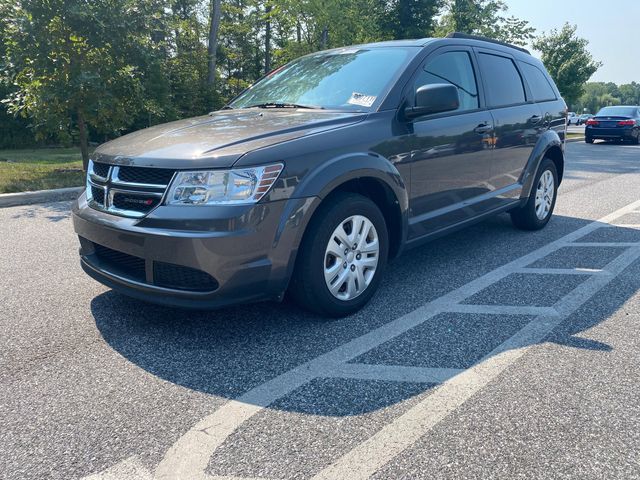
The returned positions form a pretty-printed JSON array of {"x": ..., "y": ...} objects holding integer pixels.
[
  {"x": 365, "y": 459},
  {"x": 564, "y": 271},
  {"x": 231, "y": 477},
  {"x": 393, "y": 373},
  {"x": 129, "y": 469},
  {"x": 604, "y": 244},
  {"x": 500, "y": 310},
  {"x": 632, "y": 226},
  {"x": 189, "y": 456}
]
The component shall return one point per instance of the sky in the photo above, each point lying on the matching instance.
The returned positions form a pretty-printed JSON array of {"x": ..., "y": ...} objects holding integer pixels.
[{"x": 610, "y": 26}]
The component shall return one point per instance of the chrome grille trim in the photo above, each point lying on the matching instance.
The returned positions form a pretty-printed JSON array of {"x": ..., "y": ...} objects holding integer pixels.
[{"x": 112, "y": 185}]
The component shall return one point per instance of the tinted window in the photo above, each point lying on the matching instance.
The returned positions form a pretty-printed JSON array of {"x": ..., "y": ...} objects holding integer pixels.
[
  {"x": 454, "y": 68},
  {"x": 503, "y": 82},
  {"x": 349, "y": 78},
  {"x": 538, "y": 83},
  {"x": 617, "y": 112}
]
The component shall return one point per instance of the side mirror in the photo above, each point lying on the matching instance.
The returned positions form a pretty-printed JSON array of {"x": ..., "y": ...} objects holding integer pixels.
[{"x": 435, "y": 98}]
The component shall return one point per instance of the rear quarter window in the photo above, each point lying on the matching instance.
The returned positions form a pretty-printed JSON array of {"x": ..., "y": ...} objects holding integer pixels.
[
  {"x": 502, "y": 80},
  {"x": 540, "y": 87}
]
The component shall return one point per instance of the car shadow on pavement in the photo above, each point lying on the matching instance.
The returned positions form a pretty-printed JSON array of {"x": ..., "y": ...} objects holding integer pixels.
[{"x": 228, "y": 352}]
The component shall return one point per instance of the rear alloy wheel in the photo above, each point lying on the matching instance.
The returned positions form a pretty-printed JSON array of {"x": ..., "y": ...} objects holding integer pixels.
[
  {"x": 536, "y": 213},
  {"x": 342, "y": 256}
]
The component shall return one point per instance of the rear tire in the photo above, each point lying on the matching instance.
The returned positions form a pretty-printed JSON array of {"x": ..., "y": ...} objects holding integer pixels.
[
  {"x": 321, "y": 282},
  {"x": 536, "y": 213},
  {"x": 588, "y": 140}
]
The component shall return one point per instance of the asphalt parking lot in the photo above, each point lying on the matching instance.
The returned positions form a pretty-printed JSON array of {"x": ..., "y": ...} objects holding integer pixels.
[{"x": 491, "y": 353}]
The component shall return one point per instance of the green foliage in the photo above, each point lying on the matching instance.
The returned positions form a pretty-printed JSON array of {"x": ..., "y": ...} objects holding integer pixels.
[
  {"x": 484, "y": 17},
  {"x": 78, "y": 70},
  {"x": 600, "y": 94},
  {"x": 568, "y": 61}
]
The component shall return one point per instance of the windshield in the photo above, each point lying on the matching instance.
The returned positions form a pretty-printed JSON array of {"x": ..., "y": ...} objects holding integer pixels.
[
  {"x": 617, "y": 112},
  {"x": 347, "y": 79}
]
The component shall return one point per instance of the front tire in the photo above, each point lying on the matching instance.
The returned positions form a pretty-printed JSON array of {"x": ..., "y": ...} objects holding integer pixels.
[
  {"x": 536, "y": 213},
  {"x": 342, "y": 256}
]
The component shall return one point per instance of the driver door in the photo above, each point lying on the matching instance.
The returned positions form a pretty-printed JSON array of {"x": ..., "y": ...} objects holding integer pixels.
[{"x": 452, "y": 152}]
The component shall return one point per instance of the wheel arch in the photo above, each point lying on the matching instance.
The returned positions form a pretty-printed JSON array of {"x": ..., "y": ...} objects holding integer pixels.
[
  {"x": 549, "y": 146},
  {"x": 370, "y": 175}
]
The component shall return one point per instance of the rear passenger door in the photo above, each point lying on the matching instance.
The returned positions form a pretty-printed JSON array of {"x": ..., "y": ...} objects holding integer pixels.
[{"x": 518, "y": 122}]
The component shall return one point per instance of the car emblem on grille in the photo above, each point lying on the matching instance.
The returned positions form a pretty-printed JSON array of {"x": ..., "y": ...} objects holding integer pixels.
[{"x": 122, "y": 197}]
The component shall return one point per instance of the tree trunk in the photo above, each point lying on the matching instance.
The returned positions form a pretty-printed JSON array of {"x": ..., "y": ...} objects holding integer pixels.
[
  {"x": 84, "y": 140},
  {"x": 267, "y": 41},
  {"x": 212, "y": 50},
  {"x": 299, "y": 32},
  {"x": 324, "y": 38}
]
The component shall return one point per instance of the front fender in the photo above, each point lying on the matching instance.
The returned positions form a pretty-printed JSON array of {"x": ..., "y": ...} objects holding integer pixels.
[
  {"x": 330, "y": 175},
  {"x": 321, "y": 181},
  {"x": 547, "y": 140}
]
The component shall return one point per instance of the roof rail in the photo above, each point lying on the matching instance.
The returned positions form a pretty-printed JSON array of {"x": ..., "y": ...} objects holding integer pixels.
[{"x": 485, "y": 39}]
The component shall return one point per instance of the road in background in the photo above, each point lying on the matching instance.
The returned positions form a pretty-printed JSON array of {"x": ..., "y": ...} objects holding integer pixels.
[{"x": 540, "y": 367}]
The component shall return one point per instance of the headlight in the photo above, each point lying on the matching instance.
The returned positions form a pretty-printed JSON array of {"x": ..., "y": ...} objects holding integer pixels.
[{"x": 223, "y": 187}]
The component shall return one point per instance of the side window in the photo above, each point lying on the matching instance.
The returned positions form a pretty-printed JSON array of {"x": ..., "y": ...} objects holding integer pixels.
[
  {"x": 502, "y": 80},
  {"x": 454, "y": 68},
  {"x": 538, "y": 83}
]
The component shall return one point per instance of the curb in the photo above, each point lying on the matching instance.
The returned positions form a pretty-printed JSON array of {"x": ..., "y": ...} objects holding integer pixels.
[
  {"x": 571, "y": 140},
  {"x": 39, "y": 196}
]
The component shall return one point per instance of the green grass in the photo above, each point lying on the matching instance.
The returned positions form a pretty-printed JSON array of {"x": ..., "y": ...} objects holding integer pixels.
[
  {"x": 575, "y": 135},
  {"x": 40, "y": 169}
]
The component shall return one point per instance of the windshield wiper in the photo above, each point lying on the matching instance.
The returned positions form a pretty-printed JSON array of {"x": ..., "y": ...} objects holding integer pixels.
[{"x": 283, "y": 105}]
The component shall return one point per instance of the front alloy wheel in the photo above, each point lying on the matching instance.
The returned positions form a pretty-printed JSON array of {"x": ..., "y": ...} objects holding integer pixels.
[
  {"x": 342, "y": 256},
  {"x": 351, "y": 257}
]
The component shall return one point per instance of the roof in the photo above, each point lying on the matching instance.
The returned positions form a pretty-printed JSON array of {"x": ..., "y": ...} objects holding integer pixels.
[{"x": 421, "y": 42}]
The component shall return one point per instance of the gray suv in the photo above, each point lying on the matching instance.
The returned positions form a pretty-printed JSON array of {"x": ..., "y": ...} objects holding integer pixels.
[{"x": 313, "y": 178}]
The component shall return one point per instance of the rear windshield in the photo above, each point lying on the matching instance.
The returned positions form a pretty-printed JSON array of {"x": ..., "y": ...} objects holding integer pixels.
[
  {"x": 617, "y": 112},
  {"x": 346, "y": 79}
]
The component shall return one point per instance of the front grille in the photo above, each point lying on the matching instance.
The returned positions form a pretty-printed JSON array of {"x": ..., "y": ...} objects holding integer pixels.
[
  {"x": 122, "y": 263},
  {"x": 136, "y": 202},
  {"x": 167, "y": 275},
  {"x": 98, "y": 194},
  {"x": 125, "y": 190},
  {"x": 101, "y": 169},
  {"x": 178, "y": 277},
  {"x": 152, "y": 176}
]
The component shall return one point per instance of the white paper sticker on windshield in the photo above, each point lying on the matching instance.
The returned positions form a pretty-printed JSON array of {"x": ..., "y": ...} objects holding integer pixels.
[{"x": 361, "y": 99}]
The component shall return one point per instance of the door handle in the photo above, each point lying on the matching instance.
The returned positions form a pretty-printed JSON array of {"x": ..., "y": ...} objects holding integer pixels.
[{"x": 483, "y": 128}]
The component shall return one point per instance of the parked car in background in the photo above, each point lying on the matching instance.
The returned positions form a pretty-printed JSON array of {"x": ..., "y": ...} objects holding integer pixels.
[
  {"x": 614, "y": 123},
  {"x": 572, "y": 118},
  {"x": 311, "y": 179},
  {"x": 582, "y": 119}
]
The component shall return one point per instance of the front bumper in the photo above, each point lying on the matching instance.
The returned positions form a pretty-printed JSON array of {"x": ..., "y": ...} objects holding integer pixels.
[{"x": 218, "y": 255}]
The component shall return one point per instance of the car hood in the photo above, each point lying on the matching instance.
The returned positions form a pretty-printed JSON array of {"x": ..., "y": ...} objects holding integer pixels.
[{"x": 218, "y": 139}]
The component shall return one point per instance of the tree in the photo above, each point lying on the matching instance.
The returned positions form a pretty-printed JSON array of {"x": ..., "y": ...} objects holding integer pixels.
[
  {"x": 409, "y": 18},
  {"x": 486, "y": 18},
  {"x": 212, "y": 48},
  {"x": 77, "y": 65},
  {"x": 630, "y": 93},
  {"x": 567, "y": 60}
]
